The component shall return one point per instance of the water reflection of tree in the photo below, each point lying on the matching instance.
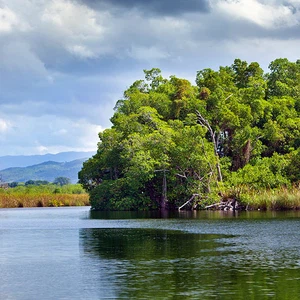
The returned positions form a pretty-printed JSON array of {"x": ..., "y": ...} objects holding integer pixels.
[
  {"x": 145, "y": 244},
  {"x": 168, "y": 264},
  {"x": 154, "y": 262}
]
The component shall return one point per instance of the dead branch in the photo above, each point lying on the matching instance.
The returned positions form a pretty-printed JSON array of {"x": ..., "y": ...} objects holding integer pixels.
[
  {"x": 203, "y": 122},
  {"x": 187, "y": 202}
]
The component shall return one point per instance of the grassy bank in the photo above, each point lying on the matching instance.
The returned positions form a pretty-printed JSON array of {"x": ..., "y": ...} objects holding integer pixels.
[
  {"x": 73, "y": 195},
  {"x": 269, "y": 199},
  {"x": 43, "y": 200},
  {"x": 43, "y": 196}
]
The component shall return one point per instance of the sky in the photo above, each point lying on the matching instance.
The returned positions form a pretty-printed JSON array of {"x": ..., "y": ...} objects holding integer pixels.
[{"x": 65, "y": 63}]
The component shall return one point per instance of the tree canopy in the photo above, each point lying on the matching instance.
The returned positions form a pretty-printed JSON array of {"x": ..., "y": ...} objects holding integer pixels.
[
  {"x": 170, "y": 139},
  {"x": 62, "y": 181}
]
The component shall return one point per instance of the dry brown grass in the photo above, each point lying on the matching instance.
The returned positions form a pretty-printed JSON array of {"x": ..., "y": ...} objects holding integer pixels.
[{"x": 42, "y": 200}]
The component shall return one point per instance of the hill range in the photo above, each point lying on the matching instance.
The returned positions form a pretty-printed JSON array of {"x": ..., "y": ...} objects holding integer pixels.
[
  {"x": 10, "y": 161},
  {"x": 42, "y": 167}
]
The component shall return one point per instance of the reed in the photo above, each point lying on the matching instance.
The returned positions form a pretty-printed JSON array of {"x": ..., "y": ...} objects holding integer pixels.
[
  {"x": 44, "y": 196},
  {"x": 282, "y": 198},
  {"x": 42, "y": 200}
]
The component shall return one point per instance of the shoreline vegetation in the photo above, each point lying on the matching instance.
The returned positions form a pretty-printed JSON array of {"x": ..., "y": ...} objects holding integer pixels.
[
  {"x": 231, "y": 141},
  {"x": 43, "y": 196},
  {"x": 265, "y": 200},
  {"x": 73, "y": 195}
]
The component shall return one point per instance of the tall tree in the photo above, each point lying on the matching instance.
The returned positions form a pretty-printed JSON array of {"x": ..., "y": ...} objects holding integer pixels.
[{"x": 170, "y": 140}]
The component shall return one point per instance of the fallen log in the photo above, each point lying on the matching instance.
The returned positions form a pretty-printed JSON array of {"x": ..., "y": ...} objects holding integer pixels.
[
  {"x": 230, "y": 204},
  {"x": 213, "y": 205}
]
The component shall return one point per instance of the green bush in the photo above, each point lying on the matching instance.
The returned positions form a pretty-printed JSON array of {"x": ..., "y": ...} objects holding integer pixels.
[{"x": 117, "y": 195}]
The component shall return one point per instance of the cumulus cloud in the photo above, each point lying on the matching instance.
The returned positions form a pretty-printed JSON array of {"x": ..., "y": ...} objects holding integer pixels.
[
  {"x": 81, "y": 51},
  {"x": 268, "y": 14},
  {"x": 9, "y": 21},
  {"x": 41, "y": 149},
  {"x": 75, "y": 27},
  {"x": 67, "y": 62}
]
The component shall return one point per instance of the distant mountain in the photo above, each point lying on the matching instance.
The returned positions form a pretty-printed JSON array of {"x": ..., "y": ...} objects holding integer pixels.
[
  {"x": 29, "y": 160},
  {"x": 45, "y": 171}
]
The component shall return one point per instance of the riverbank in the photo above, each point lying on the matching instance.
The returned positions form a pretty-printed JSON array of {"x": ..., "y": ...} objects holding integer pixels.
[
  {"x": 246, "y": 198},
  {"x": 43, "y": 200},
  {"x": 237, "y": 199},
  {"x": 43, "y": 196}
]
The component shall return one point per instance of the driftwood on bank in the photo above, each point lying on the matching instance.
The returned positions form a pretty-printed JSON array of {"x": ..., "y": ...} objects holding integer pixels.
[
  {"x": 229, "y": 204},
  {"x": 189, "y": 201}
]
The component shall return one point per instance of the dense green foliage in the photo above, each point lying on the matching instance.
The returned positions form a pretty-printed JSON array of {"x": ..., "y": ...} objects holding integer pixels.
[
  {"x": 62, "y": 181},
  {"x": 29, "y": 182},
  {"x": 170, "y": 139}
]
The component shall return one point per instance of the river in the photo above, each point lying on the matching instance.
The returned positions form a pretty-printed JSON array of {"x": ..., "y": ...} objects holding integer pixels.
[{"x": 73, "y": 253}]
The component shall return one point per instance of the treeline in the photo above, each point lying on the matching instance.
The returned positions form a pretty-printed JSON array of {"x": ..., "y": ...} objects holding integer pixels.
[
  {"x": 236, "y": 132},
  {"x": 57, "y": 181},
  {"x": 46, "y": 188}
]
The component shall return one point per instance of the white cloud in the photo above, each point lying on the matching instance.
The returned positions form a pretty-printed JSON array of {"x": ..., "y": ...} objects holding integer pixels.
[
  {"x": 42, "y": 149},
  {"x": 81, "y": 51},
  {"x": 77, "y": 28},
  {"x": 265, "y": 14},
  {"x": 10, "y": 21},
  {"x": 4, "y": 126},
  {"x": 169, "y": 25},
  {"x": 74, "y": 18},
  {"x": 7, "y": 19}
]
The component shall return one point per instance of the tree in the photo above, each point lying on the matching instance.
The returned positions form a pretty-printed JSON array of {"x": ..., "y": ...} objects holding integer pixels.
[
  {"x": 137, "y": 155},
  {"x": 170, "y": 140},
  {"x": 283, "y": 79},
  {"x": 62, "y": 181},
  {"x": 29, "y": 182}
]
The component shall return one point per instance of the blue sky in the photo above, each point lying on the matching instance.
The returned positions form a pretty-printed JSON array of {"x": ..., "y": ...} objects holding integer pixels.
[{"x": 65, "y": 63}]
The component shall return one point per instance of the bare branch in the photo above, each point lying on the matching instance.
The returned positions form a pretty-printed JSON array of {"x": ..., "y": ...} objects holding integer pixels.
[
  {"x": 187, "y": 202},
  {"x": 228, "y": 97},
  {"x": 182, "y": 176},
  {"x": 205, "y": 123}
]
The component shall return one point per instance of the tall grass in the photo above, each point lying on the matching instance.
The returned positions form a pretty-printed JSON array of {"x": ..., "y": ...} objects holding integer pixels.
[
  {"x": 269, "y": 199},
  {"x": 43, "y": 196}
]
